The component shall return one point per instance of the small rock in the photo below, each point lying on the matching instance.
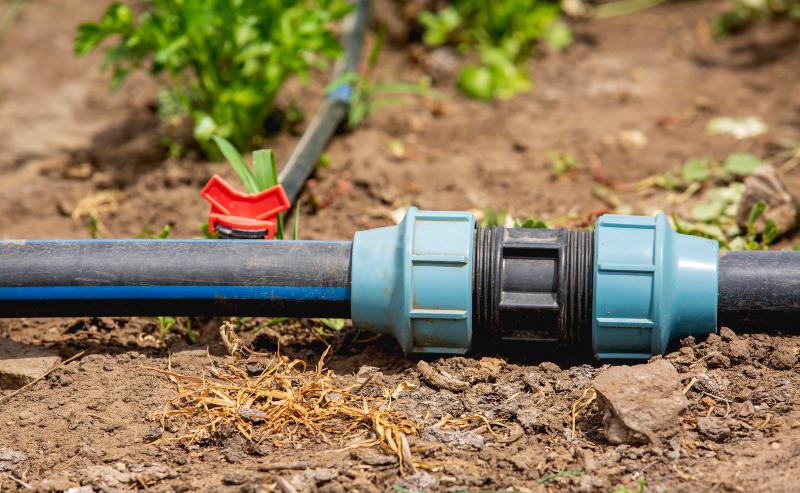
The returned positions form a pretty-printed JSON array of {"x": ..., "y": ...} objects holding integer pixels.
[
  {"x": 421, "y": 481},
  {"x": 783, "y": 358},
  {"x": 106, "y": 477},
  {"x": 20, "y": 364},
  {"x": 713, "y": 428},
  {"x": 234, "y": 478},
  {"x": 640, "y": 403},
  {"x": 321, "y": 474},
  {"x": 460, "y": 439},
  {"x": 718, "y": 360},
  {"x": 440, "y": 379},
  {"x": 727, "y": 334},
  {"x": 57, "y": 483},
  {"x": 746, "y": 409},
  {"x": 442, "y": 64},
  {"x": 9, "y": 458},
  {"x": 252, "y": 414},
  {"x": 738, "y": 350},
  {"x": 331, "y": 487},
  {"x": 549, "y": 367},
  {"x": 372, "y": 457},
  {"x": 254, "y": 369},
  {"x": 153, "y": 434}
]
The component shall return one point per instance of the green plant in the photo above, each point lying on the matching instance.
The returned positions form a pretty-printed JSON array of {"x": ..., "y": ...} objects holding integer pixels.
[
  {"x": 165, "y": 324},
  {"x": 502, "y": 33},
  {"x": 747, "y": 12},
  {"x": 554, "y": 476},
  {"x": 263, "y": 175},
  {"x": 369, "y": 95},
  {"x": 223, "y": 61},
  {"x": 561, "y": 163},
  {"x": 641, "y": 487},
  {"x": 492, "y": 217}
]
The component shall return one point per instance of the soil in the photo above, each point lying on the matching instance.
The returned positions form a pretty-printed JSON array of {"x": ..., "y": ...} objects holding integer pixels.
[{"x": 630, "y": 98}]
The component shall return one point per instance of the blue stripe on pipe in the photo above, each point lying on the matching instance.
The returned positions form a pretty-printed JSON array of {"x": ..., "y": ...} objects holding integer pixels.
[{"x": 266, "y": 293}]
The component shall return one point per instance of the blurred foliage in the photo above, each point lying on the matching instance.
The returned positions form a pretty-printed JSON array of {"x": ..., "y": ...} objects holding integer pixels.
[
  {"x": 223, "y": 61},
  {"x": 502, "y": 34},
  {"x": 746, "y": 12}
]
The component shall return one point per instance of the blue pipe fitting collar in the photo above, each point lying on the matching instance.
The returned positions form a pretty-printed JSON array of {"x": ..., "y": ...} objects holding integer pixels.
[
  {"x": 652, "y": 286},
  {"x": 414, "y": 281}
]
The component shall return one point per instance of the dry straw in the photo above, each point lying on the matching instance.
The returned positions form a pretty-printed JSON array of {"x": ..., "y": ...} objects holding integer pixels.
[{"x": 284, "y": 402}]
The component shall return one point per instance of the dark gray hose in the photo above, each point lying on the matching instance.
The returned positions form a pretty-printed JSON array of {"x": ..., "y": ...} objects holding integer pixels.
[{"x": 334, "y": 109}]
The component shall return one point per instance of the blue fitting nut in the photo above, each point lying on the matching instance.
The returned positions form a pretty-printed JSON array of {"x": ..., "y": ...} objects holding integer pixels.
[
  {"x": 651, "y": 286},
  {"x": 414, "y": 281}
]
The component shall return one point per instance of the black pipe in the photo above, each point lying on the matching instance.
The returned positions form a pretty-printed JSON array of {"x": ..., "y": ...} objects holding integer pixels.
[
  {"x": 759, "y": 290},
  {"x": 175, "y": 277},
  {"x": 306, "y": 154}
]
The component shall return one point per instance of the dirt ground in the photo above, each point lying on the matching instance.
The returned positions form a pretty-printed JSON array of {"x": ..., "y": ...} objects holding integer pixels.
[{"x": 630, "y": 98}]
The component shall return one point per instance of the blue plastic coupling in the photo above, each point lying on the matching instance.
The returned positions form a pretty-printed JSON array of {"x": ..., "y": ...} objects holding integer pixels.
[
  {"x": 652, "y": 286},
  {"x": 414, "y": 281}
]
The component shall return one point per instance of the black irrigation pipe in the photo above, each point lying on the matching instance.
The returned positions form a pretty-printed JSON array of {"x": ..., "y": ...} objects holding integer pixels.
[{"x": 333, "y": 111}]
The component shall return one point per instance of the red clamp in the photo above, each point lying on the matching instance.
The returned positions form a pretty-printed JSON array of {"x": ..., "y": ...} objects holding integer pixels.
[{"x": 243, "y": 215}]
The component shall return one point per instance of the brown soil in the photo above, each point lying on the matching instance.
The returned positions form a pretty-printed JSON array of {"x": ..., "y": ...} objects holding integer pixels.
[{"x": 69, "y": 143}]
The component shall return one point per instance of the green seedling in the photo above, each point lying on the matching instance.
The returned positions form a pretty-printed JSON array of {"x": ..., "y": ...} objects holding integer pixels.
[
  {"x": 492, "y": 217},
  {"x": 220, "y": 62},
  {"x": 165, "y": 324},
  {"x": 369, "y": 95},
  {"x": 561, "y": 163},
  {"x": 567, "y": 472},
  {"x": 641, "y": 487},
  {"x": 262, "y": 175},
  {"x": 161, "y": 235},
  {"x": 747, "y": 12},
  {"x": 502, "y": 34}
]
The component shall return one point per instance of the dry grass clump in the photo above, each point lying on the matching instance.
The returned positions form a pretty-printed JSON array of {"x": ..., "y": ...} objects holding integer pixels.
[{"x": 284, "y": 402}]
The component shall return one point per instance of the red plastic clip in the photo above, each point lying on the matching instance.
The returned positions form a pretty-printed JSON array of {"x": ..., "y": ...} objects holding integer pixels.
[{"x": 243, "y": 214}]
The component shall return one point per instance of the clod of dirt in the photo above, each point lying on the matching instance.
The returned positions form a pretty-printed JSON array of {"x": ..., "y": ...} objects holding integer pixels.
[
  {"x": 783, "y": 358},
  {"x": 460, "y": 439},
  {"x": 10, "y": 458},
  {"x": 57, "y": 483},
  {"x": 153, "y": 434},
  {"x": 20, "y": 363},
  {"x": 640, "y": 403},
  {"x": 234, "y": 478},
  {"x": 440, "y": 379},
  {"x": 421, "y": 481},
  {"x": 713, "y": 428},
  {"x": 764, "y": 184},
  {"x": 372, "y": 457}
]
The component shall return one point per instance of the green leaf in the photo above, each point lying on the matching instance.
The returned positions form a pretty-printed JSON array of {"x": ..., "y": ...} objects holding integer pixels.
[
  {"x": 707, "y": 211},
  {"x": 296, "y": 223},
  {"x": 476, "y": 82},
  {"x": 335, "y": 324},
  {"x": 770, "y": 232},
  {"x": 696, "y": 170},
  {"x": 237, "y": 163},
  {"x": 558, "y": 35},
  {"x": 755, "y": 212},
  {"x": 742, "y": 164},
  {"x": 530, "y": 223},
  {"x": 264, "y": 164}
]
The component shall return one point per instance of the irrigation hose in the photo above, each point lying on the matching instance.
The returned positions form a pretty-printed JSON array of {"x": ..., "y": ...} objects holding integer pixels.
[{"x": 303, "y": 160}]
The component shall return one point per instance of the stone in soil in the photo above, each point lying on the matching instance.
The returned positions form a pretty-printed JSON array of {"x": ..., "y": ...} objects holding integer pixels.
[
  {"x": 713, "y": 428},
  {"x": 20, "y": 363},
  {"x": 641, "y": 403}
]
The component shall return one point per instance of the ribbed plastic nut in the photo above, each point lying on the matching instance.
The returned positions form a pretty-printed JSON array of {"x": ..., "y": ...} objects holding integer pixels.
[
  {"x": 652, "y": 286},
  {"x": 414, "y": 281}
]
